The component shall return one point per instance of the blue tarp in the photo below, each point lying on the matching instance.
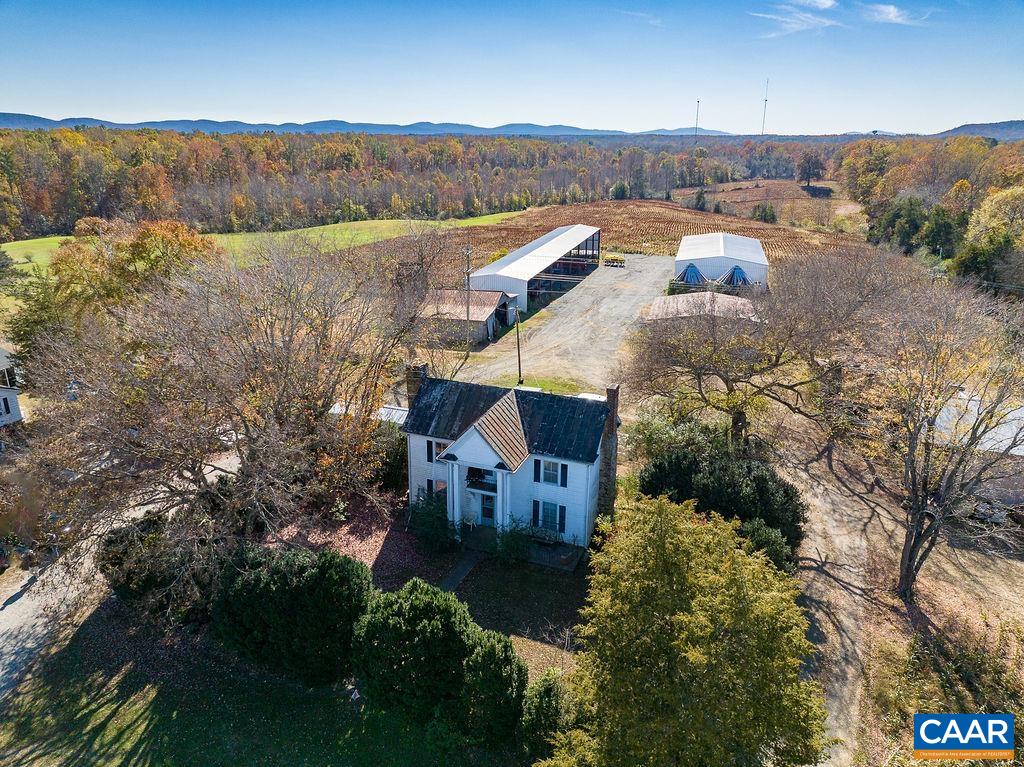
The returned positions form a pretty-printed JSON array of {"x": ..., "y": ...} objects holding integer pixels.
[
  {"x": 691, "y": 275},
  {"x": 734, "y": 278}
]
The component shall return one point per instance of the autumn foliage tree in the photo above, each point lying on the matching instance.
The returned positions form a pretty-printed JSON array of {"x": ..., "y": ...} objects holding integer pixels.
[
  {"x": 692, "y": 651},
  {"x": 104, "y": 267}
]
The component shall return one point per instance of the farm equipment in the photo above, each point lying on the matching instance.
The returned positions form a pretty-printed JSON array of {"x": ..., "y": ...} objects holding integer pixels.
[{"x": 614, "y": 259}]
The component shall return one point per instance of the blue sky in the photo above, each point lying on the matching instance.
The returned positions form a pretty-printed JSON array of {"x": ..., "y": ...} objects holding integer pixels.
[{"x": 834, "y": 65}]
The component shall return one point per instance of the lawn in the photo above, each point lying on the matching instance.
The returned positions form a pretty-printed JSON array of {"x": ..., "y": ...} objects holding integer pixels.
[
  {"x": 536, "y": 606},
  {"x": 548, "y": 384},
  {"x": 112, "y": 696},
  {"x": 39, "y": 250},
  {"x": 27, "y": 253}
]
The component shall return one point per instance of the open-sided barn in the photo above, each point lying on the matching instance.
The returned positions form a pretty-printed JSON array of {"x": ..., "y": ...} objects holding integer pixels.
[{"x": 545, "y": 268}]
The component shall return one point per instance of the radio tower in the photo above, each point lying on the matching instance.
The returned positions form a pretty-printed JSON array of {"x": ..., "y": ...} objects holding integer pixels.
[{"x": 764, "y": 112}]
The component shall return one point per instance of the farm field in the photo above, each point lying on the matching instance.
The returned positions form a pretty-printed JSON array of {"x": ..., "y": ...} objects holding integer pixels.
[
  {"x": 648, "y": 227},
  {"x": 38, "y": 251},
  {"x": 825, "y": 204}
]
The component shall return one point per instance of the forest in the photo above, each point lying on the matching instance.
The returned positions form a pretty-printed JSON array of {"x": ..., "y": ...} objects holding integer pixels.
[{"x": 246, "y": 182}]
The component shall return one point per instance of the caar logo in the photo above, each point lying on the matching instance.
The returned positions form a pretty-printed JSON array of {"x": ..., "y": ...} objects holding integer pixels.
[{"x": 963, "y": 736}]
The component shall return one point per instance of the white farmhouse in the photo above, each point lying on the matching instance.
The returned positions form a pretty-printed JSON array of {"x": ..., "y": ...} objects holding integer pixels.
[
  {"x": 726, "y": 259},
  {"x": 10, "y": 411},
  {"x": 513, "y": 457}
]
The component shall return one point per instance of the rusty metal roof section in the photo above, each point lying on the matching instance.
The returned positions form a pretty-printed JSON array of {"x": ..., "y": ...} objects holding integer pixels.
[
  {"x": 502, "y": 429},
  {"x": 552, "y": 424},
  {"x": 450, "y": 304}
]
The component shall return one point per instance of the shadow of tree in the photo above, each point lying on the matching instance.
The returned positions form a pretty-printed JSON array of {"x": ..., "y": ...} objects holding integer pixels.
[{"x": 117, "y": 695}]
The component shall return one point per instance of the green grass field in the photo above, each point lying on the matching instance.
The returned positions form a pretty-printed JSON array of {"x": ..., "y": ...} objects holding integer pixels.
[{"x": 39, "y": 250}]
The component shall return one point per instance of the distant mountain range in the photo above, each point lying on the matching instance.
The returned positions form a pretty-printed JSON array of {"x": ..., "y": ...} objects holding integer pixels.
[
  {"x": 32, "y": 122},
  {"x": 1010, "y": 130}
]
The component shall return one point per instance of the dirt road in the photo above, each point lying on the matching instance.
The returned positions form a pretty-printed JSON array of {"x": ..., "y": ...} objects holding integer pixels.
[{"x": 579, "y": 336}]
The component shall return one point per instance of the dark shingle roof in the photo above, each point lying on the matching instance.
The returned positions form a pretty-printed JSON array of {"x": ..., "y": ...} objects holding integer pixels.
[{"x": 554, "y": 425}]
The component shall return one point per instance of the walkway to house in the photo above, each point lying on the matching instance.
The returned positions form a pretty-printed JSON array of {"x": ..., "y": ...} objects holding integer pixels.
[{"x": 470, "y": 558}]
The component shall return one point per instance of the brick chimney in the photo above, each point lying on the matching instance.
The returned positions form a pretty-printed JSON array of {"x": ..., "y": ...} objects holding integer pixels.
[
  {"x": 414, "y": 375},
  {"x": 606, "y": 488}
]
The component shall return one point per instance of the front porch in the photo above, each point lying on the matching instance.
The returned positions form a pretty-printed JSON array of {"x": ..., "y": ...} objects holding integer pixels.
[{"x": 553, "y": 554}]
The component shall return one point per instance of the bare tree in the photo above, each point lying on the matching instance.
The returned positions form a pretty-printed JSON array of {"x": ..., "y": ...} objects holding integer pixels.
[
  {"x": 735, "y": 357},
  {"x": 945, "y": 390},
  {"x": 267, "y": 377}
]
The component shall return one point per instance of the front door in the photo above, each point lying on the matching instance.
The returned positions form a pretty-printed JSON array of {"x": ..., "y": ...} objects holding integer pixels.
[{"x": 487, "y": 510}]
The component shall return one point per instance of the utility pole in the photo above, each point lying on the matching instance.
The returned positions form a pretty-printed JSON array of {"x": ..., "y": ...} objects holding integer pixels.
[
  {"x": 696, "y": 122},
  {"x": 469, "y": 262},
  {"x": 764, "y": 112},
  {"x": 519, "y": 352}
]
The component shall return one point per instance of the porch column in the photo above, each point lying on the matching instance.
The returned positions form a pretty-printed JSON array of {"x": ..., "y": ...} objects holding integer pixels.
[
  {"x": 499, "y": 500},
  {"x": 454, "y": 496}
]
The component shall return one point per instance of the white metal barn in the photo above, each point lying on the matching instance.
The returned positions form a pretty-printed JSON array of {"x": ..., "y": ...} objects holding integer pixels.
[
  {"x": 714, "y": 257},
  {"x": 545, "y": 268}
]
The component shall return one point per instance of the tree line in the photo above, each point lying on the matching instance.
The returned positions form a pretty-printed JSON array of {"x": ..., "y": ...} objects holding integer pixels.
[
  {"x": 959, "y": 202},
  {"x": 49, "y": 179}
]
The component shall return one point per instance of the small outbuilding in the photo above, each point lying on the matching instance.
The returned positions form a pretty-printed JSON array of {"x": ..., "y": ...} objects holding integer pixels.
[
  {"x": 545, "y": 268},
  {"x": 489, "y": 310},
  {"x": 702, "y": 304},
  {"x": 728, "y": 260}
]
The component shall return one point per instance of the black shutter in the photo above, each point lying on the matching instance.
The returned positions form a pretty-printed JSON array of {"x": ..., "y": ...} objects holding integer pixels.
[
  {"x": 561, "y": 519},
  {"x": 430, "y": 487},
  {"x": 430, "y": 451},
  {"x": 565, "y": 475},
  {"x": 536, "y": 513},
  {"x": 536, "y": 470}
]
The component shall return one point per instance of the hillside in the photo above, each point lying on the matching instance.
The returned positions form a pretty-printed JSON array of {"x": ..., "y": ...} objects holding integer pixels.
[
  {"x": 1008, "y": 130},
  {"x": 34, "y": 122}
]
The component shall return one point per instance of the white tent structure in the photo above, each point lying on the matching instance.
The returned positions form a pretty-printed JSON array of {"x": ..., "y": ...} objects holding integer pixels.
[
  {"x": 715, "y": 256},
  {"x": 548, "y": 265}
]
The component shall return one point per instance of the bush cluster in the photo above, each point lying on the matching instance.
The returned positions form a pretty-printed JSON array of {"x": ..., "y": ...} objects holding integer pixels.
[
  {"x": 699, "y": 466},
  {"x": 293, "y": 611},
  {"x": 428, "y": 521},
  {"x": 418, "y": 652}
]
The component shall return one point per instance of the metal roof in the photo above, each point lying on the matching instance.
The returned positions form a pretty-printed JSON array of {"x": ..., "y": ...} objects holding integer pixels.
[
  {"x": 554, "y": 425},
  {"x": 698, "y": 305},
  {"x": 533, "y": 258},
  {"x": 450, "y": 304},
  {"x": 502, "y": 429},
  {"x": 695, "y": 247}
]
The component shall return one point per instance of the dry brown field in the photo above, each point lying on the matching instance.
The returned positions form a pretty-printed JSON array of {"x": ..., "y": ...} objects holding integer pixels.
[
  {"x": 646, "y": 226},
  {"x": 825, "y": 204}
]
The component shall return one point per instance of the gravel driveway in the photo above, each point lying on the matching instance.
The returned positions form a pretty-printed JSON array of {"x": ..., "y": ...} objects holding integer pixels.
[{"x": 579, "y": 336}]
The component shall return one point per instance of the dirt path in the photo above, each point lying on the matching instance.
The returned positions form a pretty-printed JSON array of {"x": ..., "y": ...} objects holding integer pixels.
[
  {"x": 580, "y": 334},
  {"x": 848, "y": 509}
]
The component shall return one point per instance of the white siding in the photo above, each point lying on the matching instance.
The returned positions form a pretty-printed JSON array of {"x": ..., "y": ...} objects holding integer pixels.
[
  {"x": 419, "y": 469},
  {"x": 10, "y": 396},
  {"x": 574, "y": 497},
  {"x": 579, "y": 496},
  {"x": 510, "y": 285}
]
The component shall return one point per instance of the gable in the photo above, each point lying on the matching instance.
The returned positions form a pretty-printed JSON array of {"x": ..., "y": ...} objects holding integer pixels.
[{"x": 471, "y": 447}]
